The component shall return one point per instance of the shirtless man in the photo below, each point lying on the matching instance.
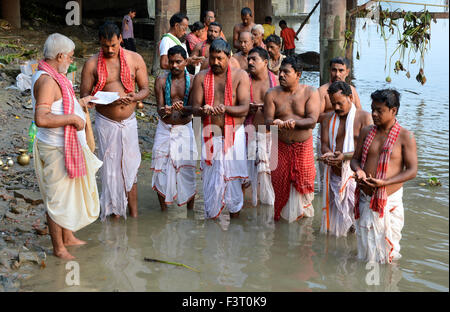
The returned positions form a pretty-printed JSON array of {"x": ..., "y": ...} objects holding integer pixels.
[
  {"x": 340, "y": 131},
  {"x": 339, "y": 71},
  {"x": 114, "y": 69},
  {"x": 221, "y": 96},
  {"x": 294, "y": 108},
  {"x": 246, "y": 25},
  {"x": 385, "y": 157},
  {"x": 246, "y": 44},
  {"x": 259, "y": 140},
  {"x": 202, "y": 48},
  {"x": 208, "y": 18},
  {"x": 174, "y": 151}
]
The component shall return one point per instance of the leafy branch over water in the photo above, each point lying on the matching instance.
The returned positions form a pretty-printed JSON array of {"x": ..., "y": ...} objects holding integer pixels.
[{"x": 413, "y": 37}]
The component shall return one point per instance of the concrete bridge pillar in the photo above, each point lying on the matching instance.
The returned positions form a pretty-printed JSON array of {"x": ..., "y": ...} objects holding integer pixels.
[
  {"x": 228, "y": 13},
  {"x": 332, "y": 34}
]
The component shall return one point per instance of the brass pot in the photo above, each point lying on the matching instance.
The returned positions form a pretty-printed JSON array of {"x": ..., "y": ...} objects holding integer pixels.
[
  {"x": 140, "y": 105},
  {"x": 5, "y": 168},
  {"x": 23, "y": 159},
  {"x": 1, "y": 163}
]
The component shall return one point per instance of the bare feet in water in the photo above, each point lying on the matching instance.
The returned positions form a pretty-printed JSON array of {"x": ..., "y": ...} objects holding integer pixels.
[
  {"x": 73, "y": 241},
  {"x": 63, "y": 254}
]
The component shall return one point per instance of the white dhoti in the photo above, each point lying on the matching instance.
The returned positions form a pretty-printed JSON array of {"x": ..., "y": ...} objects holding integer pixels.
[
  {"x": 339, "y": 191},
  {"x": 223, "y": 179},
  {"x": 379, "y": 238},
  {"x": 259, "y": 168},
  {"x": 70, "y": 203},
  {"x": 298, "y": 206},
  {"x": 341, "y": 204},
  {"x": 119, "y": 150},
  {"x": 174, "y": 158}
]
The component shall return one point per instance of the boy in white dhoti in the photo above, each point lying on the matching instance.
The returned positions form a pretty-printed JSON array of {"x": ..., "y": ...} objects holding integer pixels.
[
  {"x": 224, "y": 165},
  {"x": 340, "y": 130},
  {"x": 174, "y": 152},
  {"x": 65, "y": 166},
  {"x": 385, "y": 157}
]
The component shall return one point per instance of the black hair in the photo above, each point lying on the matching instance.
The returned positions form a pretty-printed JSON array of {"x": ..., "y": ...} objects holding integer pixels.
[
  {"x": 202, "y": 18},
  {"x": 220, "y": 45},
  {"x": 275, "y": 39},
  {"x": 177, "y": 18},
  {"x": 216, "y": 24},
  {"x": 177, "y": 50},
  {"x": 196, "y": 26},
  {"x": 261, "y": 52},
  {"x": 340, "y": 60},
  {"x": 108, "y": 30},
  {"x": 340, "y": 86},
  {"x": 294, "y": 62},
  {"x": 246, "y": 11},
  {"x": 282, "y": 22},
  {"x": 390, "y": 97},
  {"x": 132, "y": 10},
  {"x": 268, "y": 19}
]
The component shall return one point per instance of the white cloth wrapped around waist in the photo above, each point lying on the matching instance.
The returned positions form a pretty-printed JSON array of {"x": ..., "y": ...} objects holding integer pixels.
[
  {"x": 379, "y": 238},
  {"x": 341, "y": 206},
  {"x": 259, "y": 168},
  {"x": 70, "y": 203},
  {"x": 174, "y": 159},
  {"x": 222, "y": 181},
  {"x": 119, "y": 150}
]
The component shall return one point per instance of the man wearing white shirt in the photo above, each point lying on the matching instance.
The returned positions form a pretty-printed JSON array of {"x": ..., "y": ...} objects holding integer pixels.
[{"x": 178, "y": 25}]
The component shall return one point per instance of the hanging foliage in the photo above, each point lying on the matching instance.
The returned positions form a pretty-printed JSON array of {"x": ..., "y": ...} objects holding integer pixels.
[{"x": 413, "y": 38}]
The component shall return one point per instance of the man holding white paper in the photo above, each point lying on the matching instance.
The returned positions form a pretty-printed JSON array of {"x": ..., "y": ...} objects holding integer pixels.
[{"x": 114, "y": 69}]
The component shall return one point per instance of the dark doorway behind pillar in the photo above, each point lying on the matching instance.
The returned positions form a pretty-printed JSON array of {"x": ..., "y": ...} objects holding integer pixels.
[{"x": 203, "y": 7}]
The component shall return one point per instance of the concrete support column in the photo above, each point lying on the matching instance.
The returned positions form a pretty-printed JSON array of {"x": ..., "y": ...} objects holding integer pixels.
[
  {"x": 332, "y": 34},
  {"x": 263, "y": 8},
  {"x": 228, "y": 14},
  {"x": 11, "y": 12},
  {"x": 164, "y": 9}
]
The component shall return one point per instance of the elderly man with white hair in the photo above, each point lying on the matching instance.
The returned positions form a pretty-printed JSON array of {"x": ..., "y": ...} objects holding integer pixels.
[
  {"x": 64, "y": 163},
  {"x": 258, "y": 36}
]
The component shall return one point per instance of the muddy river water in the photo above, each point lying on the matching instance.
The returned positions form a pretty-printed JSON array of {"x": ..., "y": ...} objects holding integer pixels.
[{"x": 253, "y": 253}]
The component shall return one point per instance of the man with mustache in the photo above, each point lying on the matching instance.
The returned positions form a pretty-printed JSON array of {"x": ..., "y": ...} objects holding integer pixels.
[
  {"x": 115, "y": 69},
  {"x": 259, "y": 139},
  {"x": 174, "y": 151},
  {"x": 220, "y": 95},
  {"x": 246, "y": 44},
  {"x": 208, "y": 18},
  {"x": 294, "y": 108},
  {"x": 385, "y": 157},
  {"x": 63, "y": 160},
  {"x": 246, "y": 26},
  {"x": 273, "y": 45},
  {"x": 202, "y": 48},
  {"x": 339, "y": 71},
  {"x": 340, "y": 131},
  {"x": 176, "y": 35}
]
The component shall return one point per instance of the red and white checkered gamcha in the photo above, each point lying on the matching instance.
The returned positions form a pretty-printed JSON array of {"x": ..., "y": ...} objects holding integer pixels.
[
  {"x": 73, "y": 153},
  {"x": 102, "y": 71},
  {"x": 379, "y": 198}
]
